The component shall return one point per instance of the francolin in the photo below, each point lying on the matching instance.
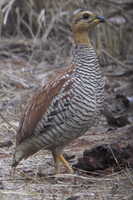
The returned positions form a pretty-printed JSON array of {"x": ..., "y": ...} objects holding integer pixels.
[{"x": 68, "y": 105}]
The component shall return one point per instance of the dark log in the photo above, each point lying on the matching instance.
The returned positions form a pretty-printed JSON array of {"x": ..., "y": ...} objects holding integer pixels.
[{"x": 116, "y": 155}]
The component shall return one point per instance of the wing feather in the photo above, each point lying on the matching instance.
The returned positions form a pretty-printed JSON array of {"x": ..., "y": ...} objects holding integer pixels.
[{"x": 39, "y": 104}]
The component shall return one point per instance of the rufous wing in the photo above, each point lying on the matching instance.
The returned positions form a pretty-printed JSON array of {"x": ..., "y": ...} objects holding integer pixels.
[{"x": 39, "y": 104}]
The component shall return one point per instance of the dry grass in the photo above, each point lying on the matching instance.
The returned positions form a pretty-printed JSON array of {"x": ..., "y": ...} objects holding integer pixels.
[{"x": 49, "y": 21}]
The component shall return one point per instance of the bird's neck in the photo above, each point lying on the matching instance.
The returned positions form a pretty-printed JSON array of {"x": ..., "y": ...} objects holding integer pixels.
[
  {"x": 82, "y": 38},
  {"x": 84, "y": 54},
  {"x": 86, "y": 61}
]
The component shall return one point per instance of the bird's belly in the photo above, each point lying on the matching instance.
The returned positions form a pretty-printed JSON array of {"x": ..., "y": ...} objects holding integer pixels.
[
  {"x": 68, "y": 129},
  {"x": 63, "y": 134}
]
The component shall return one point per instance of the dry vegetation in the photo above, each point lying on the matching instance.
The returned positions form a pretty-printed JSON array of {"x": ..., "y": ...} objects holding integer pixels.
[{"x": 35, "y": 39}]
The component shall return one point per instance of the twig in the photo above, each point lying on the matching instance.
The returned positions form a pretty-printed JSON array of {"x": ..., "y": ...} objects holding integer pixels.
[
  {"x": 114, "y": 59},
  {"x": 7, "y": 9},
  {"x": 7, "y": 143},
  {"x": 121, "y": 74},
  {"x": 51, "y": 25},
  {"x": 8, "y": 123}
]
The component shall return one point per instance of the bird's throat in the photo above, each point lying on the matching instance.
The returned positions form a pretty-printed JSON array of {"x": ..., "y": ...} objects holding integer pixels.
[{"x": 82, "y": 38}]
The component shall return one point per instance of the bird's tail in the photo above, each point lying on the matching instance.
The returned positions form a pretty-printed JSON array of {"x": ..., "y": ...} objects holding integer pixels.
[
  {"x": 17, "y": 157},
  {"x": 23, "y": 151}
]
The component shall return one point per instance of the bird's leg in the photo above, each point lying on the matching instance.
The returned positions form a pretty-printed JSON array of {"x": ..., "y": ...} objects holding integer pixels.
[
  {"x": 66, "y": 164},
  {"x": 57, "y": 163},
  {"x": 57, "y": 160}
]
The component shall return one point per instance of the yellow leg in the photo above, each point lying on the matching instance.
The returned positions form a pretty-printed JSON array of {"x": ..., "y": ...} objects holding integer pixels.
[
  {"x": 66, "y": 164},
  {"x": 57, "y": 160}
]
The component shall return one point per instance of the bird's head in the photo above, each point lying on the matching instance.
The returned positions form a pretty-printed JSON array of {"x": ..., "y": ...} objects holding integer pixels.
[{"x": 84, "y": 21}]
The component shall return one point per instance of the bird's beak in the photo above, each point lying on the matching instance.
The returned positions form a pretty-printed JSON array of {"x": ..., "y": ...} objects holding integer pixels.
[{"x": 99, "y": 19}]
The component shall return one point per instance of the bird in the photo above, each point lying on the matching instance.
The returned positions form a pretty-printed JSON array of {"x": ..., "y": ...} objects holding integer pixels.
[{"x": 69, "y": 104}]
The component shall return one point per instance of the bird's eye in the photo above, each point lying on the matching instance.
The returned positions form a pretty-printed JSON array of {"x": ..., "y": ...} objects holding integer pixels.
[{"x": 86, "y": 16}]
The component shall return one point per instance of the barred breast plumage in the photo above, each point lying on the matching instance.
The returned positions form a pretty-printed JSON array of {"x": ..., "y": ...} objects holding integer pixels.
[{"x": 68, "y": 105}]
